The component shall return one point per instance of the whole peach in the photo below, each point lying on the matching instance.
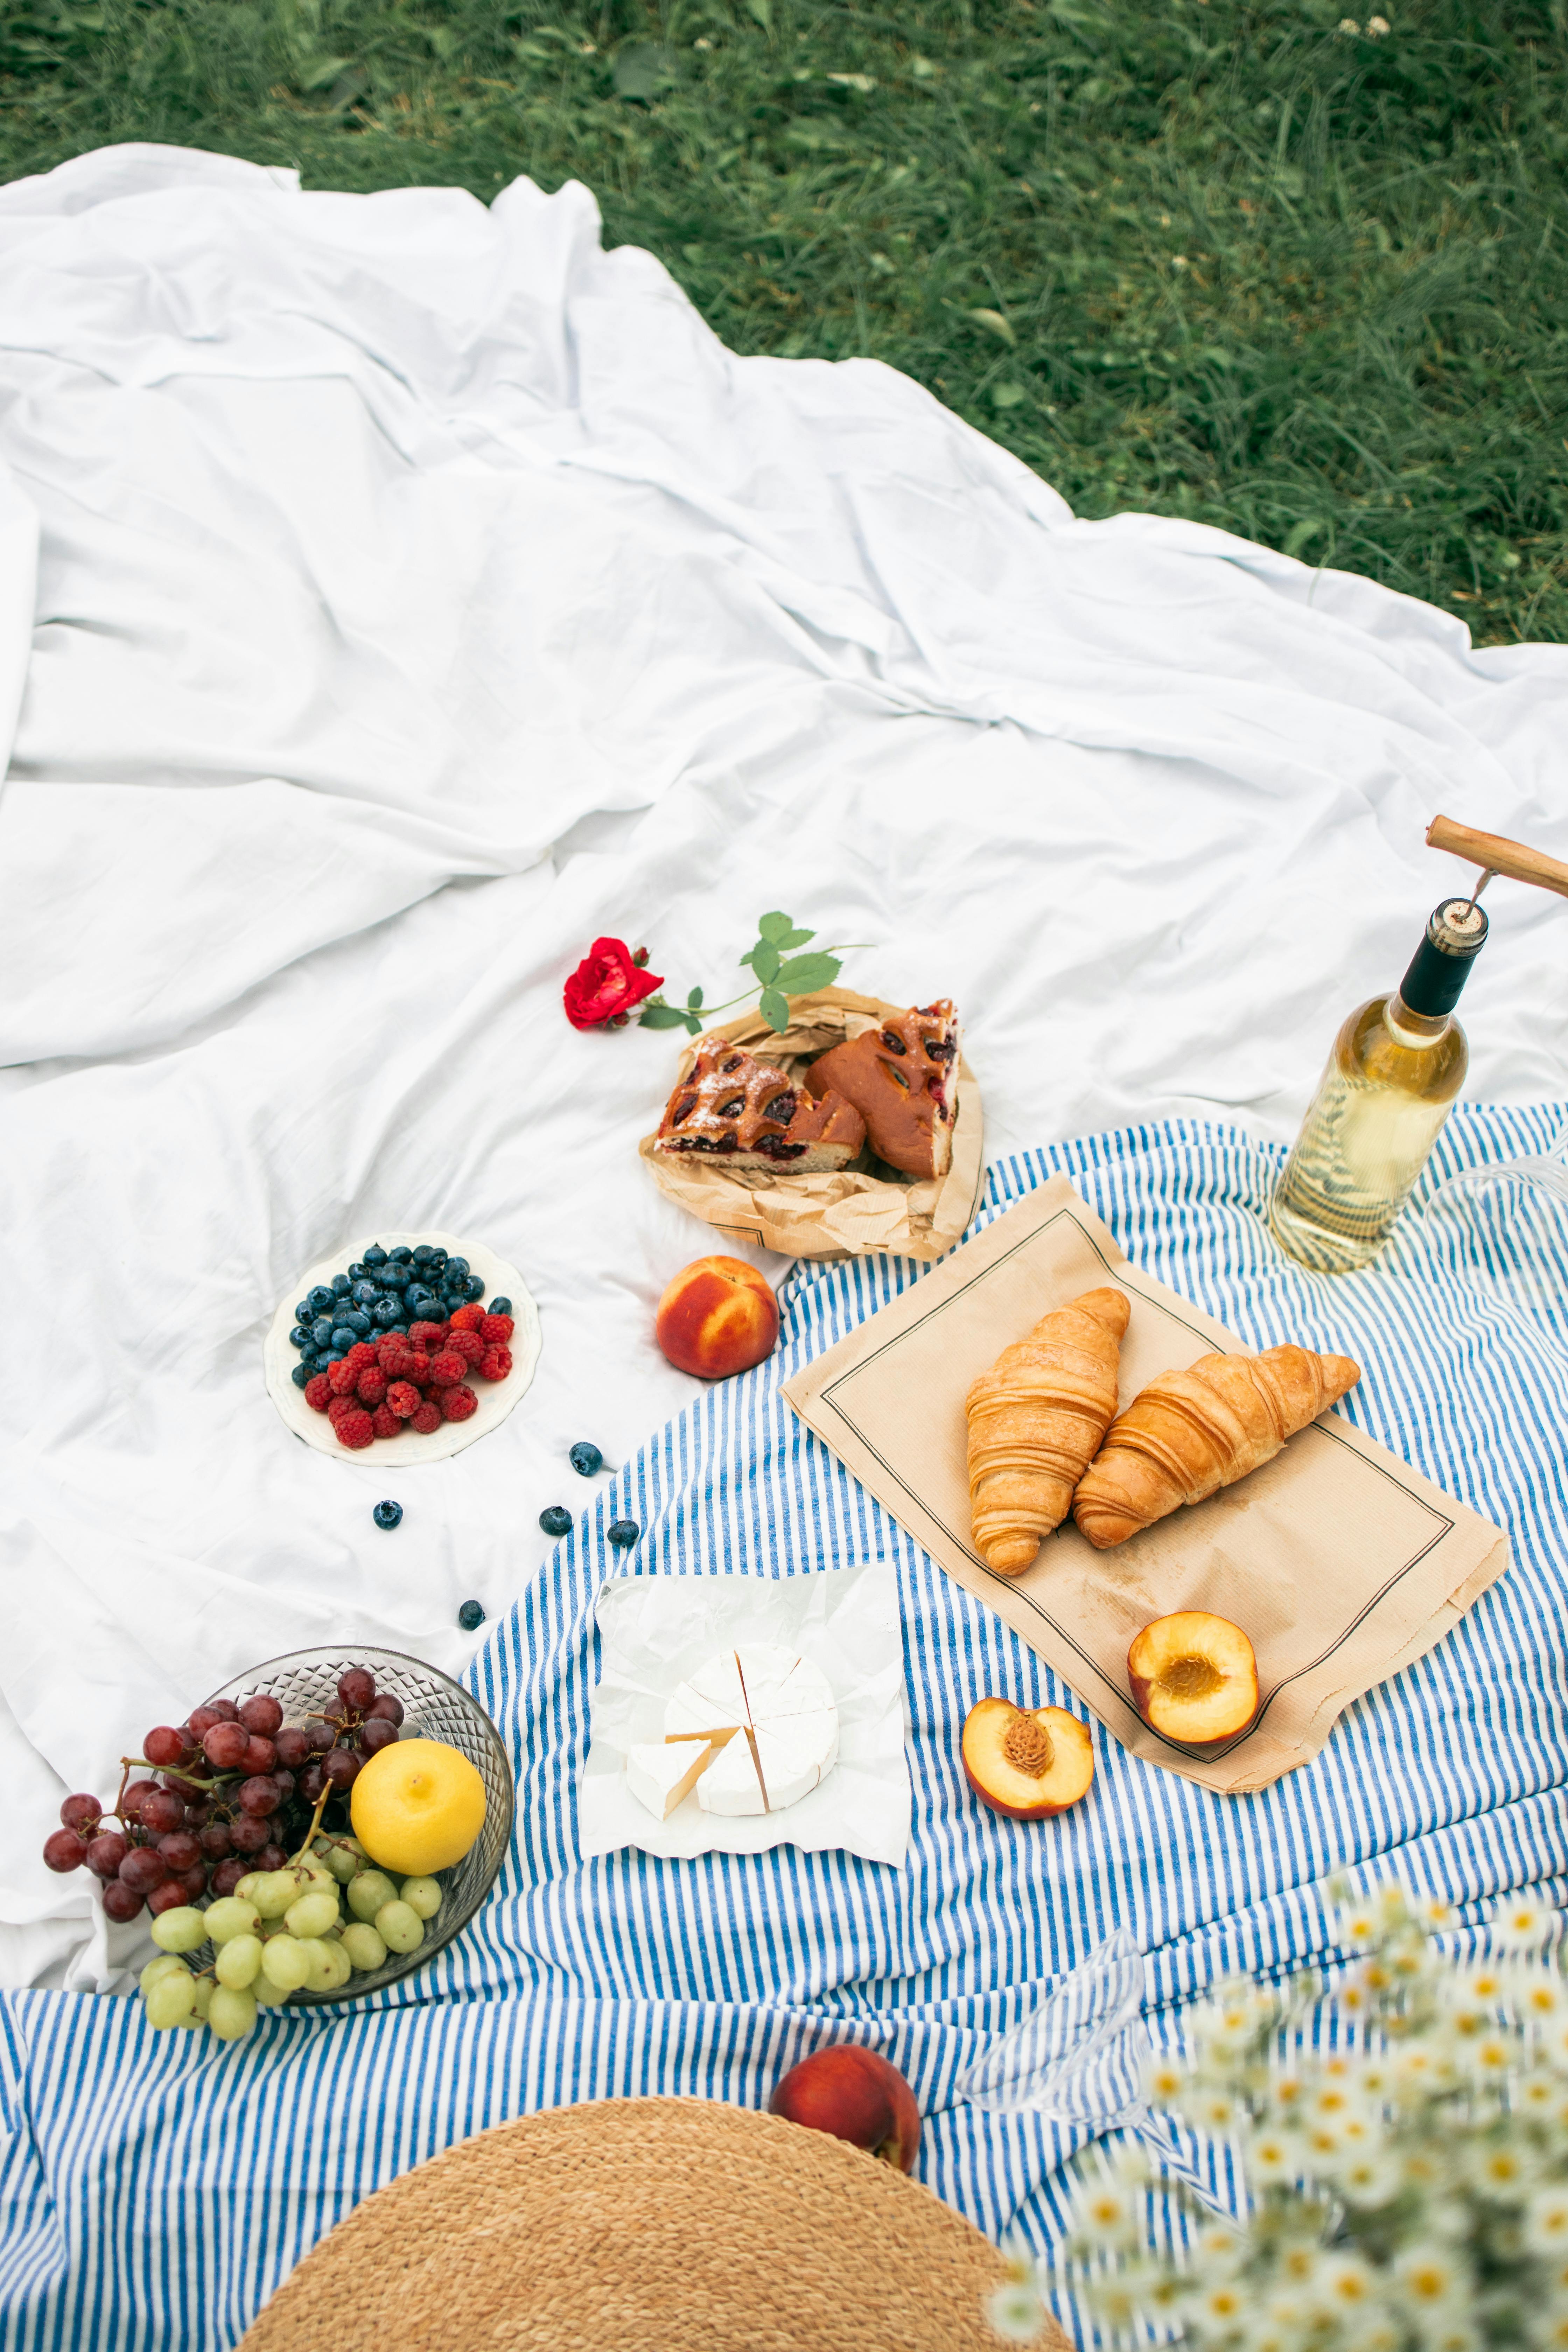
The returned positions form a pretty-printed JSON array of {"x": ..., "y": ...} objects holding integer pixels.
[
  {"x": 856, "y": 2095},
  {"x": 718, "y": 1317}
]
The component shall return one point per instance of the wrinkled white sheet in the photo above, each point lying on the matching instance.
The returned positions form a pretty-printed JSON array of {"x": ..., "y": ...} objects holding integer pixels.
[{"x": 421, "y": 591}]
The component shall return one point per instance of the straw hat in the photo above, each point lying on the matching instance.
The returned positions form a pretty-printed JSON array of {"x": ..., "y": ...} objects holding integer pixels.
[{"x": 670, "y": 2225}]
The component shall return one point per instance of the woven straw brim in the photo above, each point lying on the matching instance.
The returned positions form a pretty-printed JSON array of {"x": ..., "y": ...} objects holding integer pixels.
[{"x": 667, "y": 2225}]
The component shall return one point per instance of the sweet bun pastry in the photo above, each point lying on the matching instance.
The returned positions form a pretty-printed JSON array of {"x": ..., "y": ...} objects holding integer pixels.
[
  {"x": 749, "y": 1115},
  {"x": 1188, "y": 1433},
  {"x": 1035, "y": 1420},
  {"x": 903, "y": 1080}
]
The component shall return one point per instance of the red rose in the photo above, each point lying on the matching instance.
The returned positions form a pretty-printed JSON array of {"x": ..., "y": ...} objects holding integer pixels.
[{"x": 606, "y": 985}]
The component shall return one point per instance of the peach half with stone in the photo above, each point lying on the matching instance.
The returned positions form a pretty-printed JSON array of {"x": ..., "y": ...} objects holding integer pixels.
[
  {"x": 1027, "y": 1763},
  {"x": 1194, "y": 1677}
]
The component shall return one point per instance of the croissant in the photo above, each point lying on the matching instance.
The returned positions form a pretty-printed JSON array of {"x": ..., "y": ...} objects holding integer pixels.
[
  {"x": 1035, "y": 1419},
  {"x": 1189, "y": 1433}
]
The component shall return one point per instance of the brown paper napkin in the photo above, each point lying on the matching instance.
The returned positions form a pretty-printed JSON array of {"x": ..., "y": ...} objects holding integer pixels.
[
  {"x": 848, "y": 1213},
  {"x": 1338, "y": 1561}
]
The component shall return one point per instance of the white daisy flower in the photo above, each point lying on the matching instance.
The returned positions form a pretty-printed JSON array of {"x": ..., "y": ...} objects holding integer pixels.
[
  {"x": 1370, "y": 2180},
  {"x": 1550, "y": 2332},
  {"x": 1217, "y": 2247},
  {"x": 1357, "y": 1924},
  {"x": 1393, "y": 1901},
  {"x": 1429, "y": 2278},
  {"x": 1434, "y": 1912},
  {"x": 1539, "y": 1995},
  {"x": 1546, "y": 2221},
  {"x": 1492, "y": 2056},
  {"x": 1502, "y": 2172},
  {"x": 1520, "y": 1923},
  {"x": 1345, "y": 2285},
  {"x": 1105, "y": 2213},
  {"x": 1273, "y": 2157},
  {"x": 1212, "y": 2111},
  {"x": 1220, "y": 2307},
  {"x": 1164, "y": 2082},
  {"x": 1015, "y": 2311}
]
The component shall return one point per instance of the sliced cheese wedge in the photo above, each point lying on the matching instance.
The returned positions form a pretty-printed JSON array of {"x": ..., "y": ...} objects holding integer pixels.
[
  {"x": 795, "y": 1753},
  {"x": 730, "y": 1784},
  {"x": 662, "y": 1773}
]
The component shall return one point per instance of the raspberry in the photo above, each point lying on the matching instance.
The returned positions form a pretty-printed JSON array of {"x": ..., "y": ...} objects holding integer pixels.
[
  {"x": 338, "y": 1406},
  {"x": 418, "y": 1369},
  {"x": 399, "y": 1367},
  {"x": 466, "y": 1343},
  {"x": 361, "y": 1355},
  {"x": 354, "y": 1429},
  {"x": 370, "y": 1387},
  {"x": 318, "y": 1392},
  {"x": 388, "y": 1348},
  {"x": 403, "y": 1399},
  {"x": 470, "y": 1318},
  {"x": 497, "y": 1330},
  {"x": 427, "y": 1418},
  {"x": 458, "y": 1403},
  {"x": 495, "y": 1363},
  {"x": 342, "y": 1377},
  {"x": 385, "y": 1422},
  {"x": 447, "y": 1369},
  {"x": 426, "y": 1335}
]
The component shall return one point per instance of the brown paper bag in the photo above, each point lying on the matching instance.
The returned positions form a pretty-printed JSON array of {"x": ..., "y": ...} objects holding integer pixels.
[
  {"x": 1338, "y": 1561},
  {"x": 844, "y": 1213}
]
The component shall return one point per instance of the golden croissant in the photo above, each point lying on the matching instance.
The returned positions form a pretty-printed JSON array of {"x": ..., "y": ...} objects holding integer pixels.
[
  {"x": 1189, "y": 1433},
  {"x": 1034, "y": 1421}
]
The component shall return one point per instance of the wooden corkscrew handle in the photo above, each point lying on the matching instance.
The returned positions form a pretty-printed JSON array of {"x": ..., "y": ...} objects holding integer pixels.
[{"x": 1494, "y": 854}]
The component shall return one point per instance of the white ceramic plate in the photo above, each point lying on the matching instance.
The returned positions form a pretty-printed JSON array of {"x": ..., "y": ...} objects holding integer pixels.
[{"x": 496, "y": 1398}]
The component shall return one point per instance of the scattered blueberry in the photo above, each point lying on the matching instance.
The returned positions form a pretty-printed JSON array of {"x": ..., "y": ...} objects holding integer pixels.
[
  {"x": 501, "y": 1307},
  {"x": 623, "y": 1532},
  {"x": 343, "y": 1339},
  {"x": 387, "y": 1514},
  {"x": 385, "y": 1311},
  {"x": 401, "y": 1256},
  {"x": 299, "y": 1338},
  {"x": 586, "y": 1458},
  {"x": 322, "y": 1331},
  {"x": 469, "y": 1616},
  {"x": 555, "y": 1521},
  {"x": 374, "y": 1256},
  {"x": 299, "y": 1375}
]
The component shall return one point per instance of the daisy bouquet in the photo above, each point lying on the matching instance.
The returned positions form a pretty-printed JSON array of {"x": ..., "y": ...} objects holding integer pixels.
[{"x": 1397, "y": 2182}]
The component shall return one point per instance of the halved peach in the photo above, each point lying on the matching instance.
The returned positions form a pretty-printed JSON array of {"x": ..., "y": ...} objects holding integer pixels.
[
  {"x": 1027, "y": 1764},
  {"x": 1194, "y": 1677}
]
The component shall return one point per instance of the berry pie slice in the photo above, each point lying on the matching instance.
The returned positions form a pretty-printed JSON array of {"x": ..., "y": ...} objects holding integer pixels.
[
  {"x": 746, "y": 1113},
  {"x": 902, "y": 1079}
]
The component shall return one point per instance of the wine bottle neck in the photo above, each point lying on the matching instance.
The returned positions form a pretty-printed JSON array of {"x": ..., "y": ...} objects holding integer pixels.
[{"x": 1455, "y": 933}]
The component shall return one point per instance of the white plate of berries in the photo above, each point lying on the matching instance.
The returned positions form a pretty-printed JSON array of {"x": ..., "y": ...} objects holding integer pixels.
[{"x": 403, "y": 1348}]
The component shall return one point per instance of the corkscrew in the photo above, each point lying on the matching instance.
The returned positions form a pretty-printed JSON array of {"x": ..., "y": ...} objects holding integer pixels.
[{"x": 1495, "y": 854}]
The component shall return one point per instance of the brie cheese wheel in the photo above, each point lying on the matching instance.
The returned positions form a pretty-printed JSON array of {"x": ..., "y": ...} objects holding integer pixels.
[
  {"x": 730, "y": 1784},
  {"x": 770, "y": 1722},
  {"x": 661, "y": 1773}
]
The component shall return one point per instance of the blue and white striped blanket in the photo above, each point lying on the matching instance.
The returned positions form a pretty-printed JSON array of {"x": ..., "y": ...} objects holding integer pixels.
[{"x": 156, "y": 2188}]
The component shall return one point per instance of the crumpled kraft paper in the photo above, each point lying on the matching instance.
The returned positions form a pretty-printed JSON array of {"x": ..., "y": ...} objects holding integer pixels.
[
  {"x": 846, "y": 1213},
  {"x": 1338, "y": 1561},
  {"x": 654, "y": 1631}
]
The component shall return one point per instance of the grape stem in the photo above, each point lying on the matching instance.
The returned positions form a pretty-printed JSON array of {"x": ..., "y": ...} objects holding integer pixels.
[
  {"x": 187, "y": 1780},
  {"x": 323, "y": 1801}
]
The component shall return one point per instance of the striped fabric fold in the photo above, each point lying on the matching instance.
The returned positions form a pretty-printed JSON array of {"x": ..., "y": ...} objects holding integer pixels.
[{"x": 155, "y": 2188}]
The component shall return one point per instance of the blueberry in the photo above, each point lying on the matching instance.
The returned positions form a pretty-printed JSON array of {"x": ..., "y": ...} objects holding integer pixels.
[
  {"x": 400, "y": 1256},
  {"x": 299, "y": 1375},
  {"x": 623, "y": 1533},
  {"x": 586, "y": 1458},
  {"x": 299, "y": 1338},
  {"x": 343, "y": 1339},
  {"x": 469, "y": 1616},
  {"x": 500, "y": 1307},
  {"x": 365, "y": 1291},
  {"x": 322, "y": 1331},
  {"x": 386, "y": 1312},
  {"x": 341, "y": 1285},
  {"x": 374, "y": 1256},
  {"x": 387, "y": 1514},
  {"x": 475, "y": 1289},
  {"x": 555, "y": 1521},
  {"x": 458, "y": 1268},
  {"x": 401, "y": 1329},
  {"x": 422, "y": 1306},
  {"x": 321, "y": 1298},
  {"x": 353, "y": 1320},
  {"x": 424, "y": 1253},
  {"x": 394, "y": 1276},
  {"x": 325, "y": 1363},
  {"x": 356, "y": 1272},
  {"x": 438, "y": 1261}
]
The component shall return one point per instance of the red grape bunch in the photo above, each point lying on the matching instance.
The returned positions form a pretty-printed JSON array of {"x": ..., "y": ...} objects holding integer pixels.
[{"x": 231, "y": 1790}]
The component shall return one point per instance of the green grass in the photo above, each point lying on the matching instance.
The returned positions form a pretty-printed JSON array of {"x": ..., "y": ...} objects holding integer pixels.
[{"x": 1211, "y": 257}]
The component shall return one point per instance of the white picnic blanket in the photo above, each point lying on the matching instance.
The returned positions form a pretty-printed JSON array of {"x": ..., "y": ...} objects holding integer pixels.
[{"x": 395, "y": 595}]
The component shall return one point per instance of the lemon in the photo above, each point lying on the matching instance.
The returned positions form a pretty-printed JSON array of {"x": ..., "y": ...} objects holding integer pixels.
[{"x": 418, "y": 1806}]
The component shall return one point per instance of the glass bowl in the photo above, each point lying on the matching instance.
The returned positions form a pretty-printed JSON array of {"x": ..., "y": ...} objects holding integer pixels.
[{"x": 434, "y": 1708}]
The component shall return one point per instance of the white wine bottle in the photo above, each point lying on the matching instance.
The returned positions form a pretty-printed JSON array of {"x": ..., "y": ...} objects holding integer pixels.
[{"x": 1397, "y": 1065}]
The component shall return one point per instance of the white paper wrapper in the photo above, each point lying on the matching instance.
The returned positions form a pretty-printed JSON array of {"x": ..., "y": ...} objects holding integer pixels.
[{"x": 654, "y": 1631}]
